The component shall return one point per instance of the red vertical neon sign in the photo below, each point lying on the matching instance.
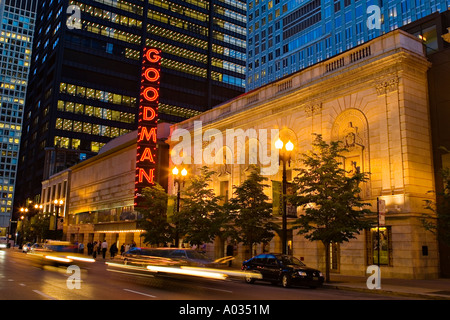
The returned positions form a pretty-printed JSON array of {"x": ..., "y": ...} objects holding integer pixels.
[{"x": 147, "y": 121}]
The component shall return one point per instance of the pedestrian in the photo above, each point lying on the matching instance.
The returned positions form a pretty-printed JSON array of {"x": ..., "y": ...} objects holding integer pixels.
[
  {"x": 230, "y": 251},
  {"x": 104, "y": 248},
  {"x": 122, "y": 249},
  {"x": 95, "y": 249},
  {"x": 113, "y": 250},
  {"x": 127, "y": 247},
  {"x": 81, "y": 248},
  {"x": 89, "y": 247},
  {"x": 99, "y": 248}
]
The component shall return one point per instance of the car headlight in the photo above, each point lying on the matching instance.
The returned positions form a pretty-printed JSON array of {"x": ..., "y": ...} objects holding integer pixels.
[{"x": 302, "y": 273}]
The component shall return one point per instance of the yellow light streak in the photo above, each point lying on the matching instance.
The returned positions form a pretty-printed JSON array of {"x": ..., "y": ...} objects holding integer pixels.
[
  {"x": 81, "y": 259},
  {"x": 60, "y": 259},
  {"x": 195, "y": 273},
  {"x": 233, "y": 273}
]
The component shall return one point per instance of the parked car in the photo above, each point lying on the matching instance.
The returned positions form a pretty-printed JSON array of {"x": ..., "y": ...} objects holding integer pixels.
[
  {"x": 26, "y": 247},
  {"x": 284, "y": 269},
  {"x": 35, "y": 246},
  {"x": 4, "y": 243},
  {"x": 167, "y": 257}
]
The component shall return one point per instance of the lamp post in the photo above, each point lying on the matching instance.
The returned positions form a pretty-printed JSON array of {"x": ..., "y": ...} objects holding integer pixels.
[
  {"x": 38, "y": 210},
  {"x": 285, "y": 157},
  {"x": 178, "y": 180},
  {"x": 24, "y": 212},
  {"x": 58, "y": 204}
]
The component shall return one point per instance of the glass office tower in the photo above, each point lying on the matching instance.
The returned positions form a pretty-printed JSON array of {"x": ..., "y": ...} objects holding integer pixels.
[
  {"x": 204, "y": 45},
  {"x": 86, "y": 68},
  {"x": 16, "y": 36},
  {"x": 287, "y": 36}
]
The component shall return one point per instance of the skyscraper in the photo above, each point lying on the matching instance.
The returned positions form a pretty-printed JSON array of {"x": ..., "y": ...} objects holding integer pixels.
[
  {"x": 287, "y": 36},
  {"x": 85, "y": 73},
  {"x": 16, "y": 35}
]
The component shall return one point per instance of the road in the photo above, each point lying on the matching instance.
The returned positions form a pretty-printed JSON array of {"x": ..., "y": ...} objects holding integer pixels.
[{"x": 22, "y": 279}]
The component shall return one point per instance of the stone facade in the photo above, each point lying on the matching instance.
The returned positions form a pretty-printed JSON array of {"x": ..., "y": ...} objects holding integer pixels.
[
  {"x": 99, "y": 187},
  {"x": 99, "y": 202},
  {"x": 373, "y": 98}
]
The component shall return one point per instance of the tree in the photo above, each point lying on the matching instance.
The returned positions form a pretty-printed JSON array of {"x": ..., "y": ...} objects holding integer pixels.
[
  {"x": 200, "y": 217},
  {"x": 333, "y": 211},
  {"x": 154, "y": 216},
  {"x": 251, "y": 211},
  {"x": 40, "y": 224},
  {"x": 439, "y": 222}
]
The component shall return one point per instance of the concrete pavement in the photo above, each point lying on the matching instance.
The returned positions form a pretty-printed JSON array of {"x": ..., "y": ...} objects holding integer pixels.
[{"x": 434, "y": 289}]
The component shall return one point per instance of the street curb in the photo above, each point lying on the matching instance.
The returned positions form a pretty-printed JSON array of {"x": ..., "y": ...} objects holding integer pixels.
[{"x": 386, "y": 292}]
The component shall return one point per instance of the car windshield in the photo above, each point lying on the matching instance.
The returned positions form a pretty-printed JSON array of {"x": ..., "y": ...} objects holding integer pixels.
[
  {"x": 289, "y": 260},
  {"x": 192, "y": 254}
]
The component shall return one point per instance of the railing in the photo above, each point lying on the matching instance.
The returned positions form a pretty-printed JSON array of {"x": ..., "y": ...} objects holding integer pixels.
[
  {"x": 252, "y": 99},
  {"x": 336, "y": 64},
  {"x": 285, "y": 86},
  {"x": 360, "y": 54}
]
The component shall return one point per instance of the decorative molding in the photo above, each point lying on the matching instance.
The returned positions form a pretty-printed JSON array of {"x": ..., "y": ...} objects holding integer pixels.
[
  {"x": 386, "y": 86},
  {"x": 313, "y": 109}
]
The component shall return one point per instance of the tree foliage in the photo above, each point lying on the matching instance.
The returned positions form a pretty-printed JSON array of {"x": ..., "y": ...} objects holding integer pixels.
[
  {"x": 201, "y": 216},
  {"x": 330, "y": 197},
  {"x": 439, "y": 222},
  {"x": 153, "y": 209},
  {"x": 251, "y": 210},
  {"x": 40, "y": 225}
]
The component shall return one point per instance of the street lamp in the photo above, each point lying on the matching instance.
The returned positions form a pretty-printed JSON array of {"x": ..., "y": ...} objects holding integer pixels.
[
  {"x": 58, "y": 204},
  {"x": 24, "y": 212},
  {"x": 285, "y": 157},
  {"x": 178, "y": 180}
]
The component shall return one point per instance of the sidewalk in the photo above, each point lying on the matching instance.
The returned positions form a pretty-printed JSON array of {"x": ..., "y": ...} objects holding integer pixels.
[{"x": 435, "y": 289}]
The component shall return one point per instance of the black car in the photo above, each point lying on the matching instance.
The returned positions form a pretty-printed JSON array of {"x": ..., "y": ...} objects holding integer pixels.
[{"x": 284, "y": 269}]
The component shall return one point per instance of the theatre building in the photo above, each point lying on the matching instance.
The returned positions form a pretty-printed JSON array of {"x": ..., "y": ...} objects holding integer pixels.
[
  {"x": 374, "y": 98},
  {"x": 99, "y": 192}
]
